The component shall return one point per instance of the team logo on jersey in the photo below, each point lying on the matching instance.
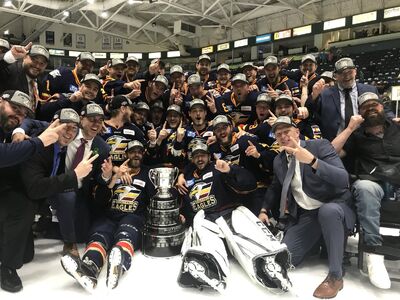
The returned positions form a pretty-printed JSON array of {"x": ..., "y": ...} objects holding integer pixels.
[
  {"x": 73, "y": 88},
  {"x": 233, "y": 159},
  {"x": 239, "y": 118},
  {"x": 200, "y": 196},
  {"x": 118, "y": 146},
  {"x": 124, "y": 199},
  {"x": 55, "y": 73}
]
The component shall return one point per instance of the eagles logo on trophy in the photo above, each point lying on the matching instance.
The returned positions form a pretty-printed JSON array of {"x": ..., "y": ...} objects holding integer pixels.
[{"x": 163, "y": 233}]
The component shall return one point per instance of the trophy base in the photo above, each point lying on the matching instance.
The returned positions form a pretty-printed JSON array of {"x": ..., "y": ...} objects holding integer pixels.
[{"x": 159, "y": 245}]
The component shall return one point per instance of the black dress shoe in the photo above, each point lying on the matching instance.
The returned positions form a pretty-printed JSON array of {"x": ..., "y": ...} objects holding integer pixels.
[{"x": 10, "y": 280}]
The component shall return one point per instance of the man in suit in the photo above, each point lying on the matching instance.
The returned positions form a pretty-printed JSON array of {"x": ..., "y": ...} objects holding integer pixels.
[
  {"x": 372, "y": 141},
  {"x": 21, "y": 68},
  {"x": 75, "y": 205},
  {"x": 16, "y": 210},
  {"x": 335, "y": 105},
  {"x": 312, "y": 185}
]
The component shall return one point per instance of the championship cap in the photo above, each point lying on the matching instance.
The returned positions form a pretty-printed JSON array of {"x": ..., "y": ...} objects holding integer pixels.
[
  {"x": 248, "y": 64},
  {"x": 328, "y": 76},
  {"x": 174, "y": 107},
  {"x": 199, "y": 147},
  {"x": 264, "y": 97},
  {"x": 176, "y": 69},
  {"x": 308, "y": 57},
  {"x": 39, "y": 50},
  {"x": 132, "y": 58},
  {"x": 91, "y": 77},
  {"x": 19, "y": 98},
  {"x": 194, "y": 79},
  {"x": 271, "y": 60},
  {"x": 196, "y": 102},
  {"x": 204, "y": 56},
  {"x": 86, "y": 56},
  {"x": 67, "y": 115},
  {"x": 239, "y": 77},
  {"x": 158, "y": 104},
  {"x": 343, "y": 64},
  {"x": 141, "y": 106},
  {"x": 91, "y": 110},
  {"x": 116, "y": 62},
  {"x": 284, "y": 97},
  {"x": 283, "y": 120},
  {"x": 4, "y": 43},
  {"x": 223, "y": 67},
  {"x": 367, "y": 96},
  {"x": 134, "y": 144},
  {"x": 162, "y": 79},
  {"x": 220, "y": 119}
]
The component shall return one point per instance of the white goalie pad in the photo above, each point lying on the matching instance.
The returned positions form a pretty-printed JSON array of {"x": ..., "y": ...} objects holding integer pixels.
[
  {"x": 260, "y": 254},
  {"x": 205, "y": 261}
]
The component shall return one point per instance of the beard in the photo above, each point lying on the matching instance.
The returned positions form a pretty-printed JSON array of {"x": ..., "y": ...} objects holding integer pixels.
[
  {"x": 376, "y": 119},
  {"x": 134, "y": 163},
  {"x": 5, "y": 123}
]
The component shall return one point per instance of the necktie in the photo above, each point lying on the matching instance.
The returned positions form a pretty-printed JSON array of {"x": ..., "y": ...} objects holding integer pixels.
[
  {"x": 79, "y": 154},
  {"x": 348, "y": 106},
  {"x": 286, "y": 184},
  {"x": 35, "y": 93},
  {"x": 56, "y": 159}
]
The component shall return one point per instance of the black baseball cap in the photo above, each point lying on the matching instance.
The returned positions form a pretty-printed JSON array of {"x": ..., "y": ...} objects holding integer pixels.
[{"x": 118, "y": 101}]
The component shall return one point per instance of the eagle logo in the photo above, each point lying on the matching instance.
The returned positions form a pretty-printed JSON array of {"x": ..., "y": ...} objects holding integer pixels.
[
  {"x": 200, "y": 191},
  {"x": 124, "y": 198}
]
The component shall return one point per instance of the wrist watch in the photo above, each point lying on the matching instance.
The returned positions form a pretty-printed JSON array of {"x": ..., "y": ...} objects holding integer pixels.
[{"x": 313, "y": 161}]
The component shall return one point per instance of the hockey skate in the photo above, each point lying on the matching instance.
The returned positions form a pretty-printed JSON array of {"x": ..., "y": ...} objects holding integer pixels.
[
  {"x": 115, "y": 267},
  {"x": 85, "y": 272}
]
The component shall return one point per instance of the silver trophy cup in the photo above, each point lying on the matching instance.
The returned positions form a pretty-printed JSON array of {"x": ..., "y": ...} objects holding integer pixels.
[{"x": 163, "y": 179}]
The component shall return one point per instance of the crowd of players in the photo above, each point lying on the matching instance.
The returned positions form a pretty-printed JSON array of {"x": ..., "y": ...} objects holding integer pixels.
[{"x": 79, "y": 144}]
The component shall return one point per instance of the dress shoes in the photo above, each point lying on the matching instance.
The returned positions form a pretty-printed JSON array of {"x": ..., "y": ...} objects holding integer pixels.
[
  {"x": 329, "y": 288},
  {"x": 10, "y": 280}
]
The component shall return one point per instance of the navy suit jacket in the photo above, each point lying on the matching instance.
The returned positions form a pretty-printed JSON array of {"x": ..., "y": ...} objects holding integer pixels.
[
  {"x": 39, "y": 184},
  {"x": 328, "y": 183},
  {"x": 327, "y": 109}
]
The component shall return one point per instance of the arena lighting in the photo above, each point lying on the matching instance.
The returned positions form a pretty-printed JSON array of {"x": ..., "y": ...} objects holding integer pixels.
[
  {"x": 66, "y": 13},
  {"x": 130, "y": 2},
  {"x": 7, "y": 3},
  {"x": 104, "y": 14},
  {"x": 173, "y": 54},
  {"x": 153, "y": 55},
  {"x": 7, "y": 32},
  {"x": 137, "y": 55},
  {"x": 90, "y": 1}
]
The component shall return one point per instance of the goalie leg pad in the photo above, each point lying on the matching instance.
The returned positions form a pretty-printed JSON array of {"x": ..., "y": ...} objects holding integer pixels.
[
  {"x": 261, "y": 255},
  {"x": 205, "y": 261}
]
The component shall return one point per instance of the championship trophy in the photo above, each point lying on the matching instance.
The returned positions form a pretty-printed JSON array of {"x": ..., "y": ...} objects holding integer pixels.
[{"x": 163, "y": 232}]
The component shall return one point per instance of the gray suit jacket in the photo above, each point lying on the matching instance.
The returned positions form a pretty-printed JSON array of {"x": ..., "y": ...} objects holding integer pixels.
[{"x": 329, "y": 183}]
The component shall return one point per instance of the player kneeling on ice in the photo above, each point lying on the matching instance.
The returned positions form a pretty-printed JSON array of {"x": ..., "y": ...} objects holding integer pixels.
[
  {"x": 213, "y": 193},
  {"x": 118, "y": 231}
]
